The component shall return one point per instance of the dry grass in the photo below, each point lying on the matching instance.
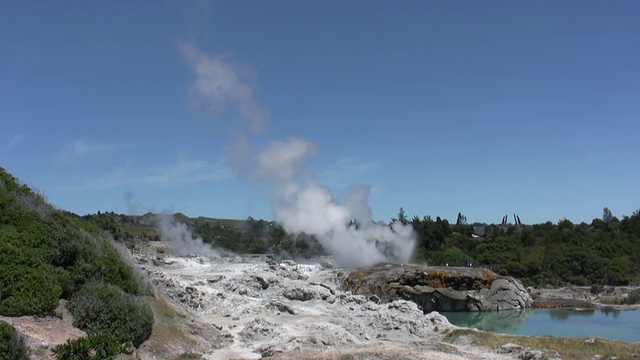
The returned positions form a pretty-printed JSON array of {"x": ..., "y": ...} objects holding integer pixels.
[
  {"x": 188, "y": 356},
  {"x": 169, "y": 334},
  {"x": 565, "y": 348}
]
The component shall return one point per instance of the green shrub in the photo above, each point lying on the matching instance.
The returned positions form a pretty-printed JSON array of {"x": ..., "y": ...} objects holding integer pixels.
[
  {"x": 597, "y": 289},
  {"x": 190, "y": 356},
  {"x": 29, "y": 291},
  {"x": 633, "y": 298},
  {"x": 12, "y": 345},
  {"x": 104, "y": 309},
  {"x": 92, "y": 347},
  {"x": 93, "y": 258}
]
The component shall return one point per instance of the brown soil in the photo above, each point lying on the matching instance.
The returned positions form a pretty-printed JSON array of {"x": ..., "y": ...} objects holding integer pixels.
[{"x": 42, "y": 334}]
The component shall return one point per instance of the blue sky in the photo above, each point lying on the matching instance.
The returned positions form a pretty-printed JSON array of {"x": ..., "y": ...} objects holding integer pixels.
[{"x": 485, "y": 108}]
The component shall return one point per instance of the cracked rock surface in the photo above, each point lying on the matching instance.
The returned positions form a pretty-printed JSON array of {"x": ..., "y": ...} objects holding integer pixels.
[
  {"x": 441, "y": 288},
  {"x": 252, "y": 309}
]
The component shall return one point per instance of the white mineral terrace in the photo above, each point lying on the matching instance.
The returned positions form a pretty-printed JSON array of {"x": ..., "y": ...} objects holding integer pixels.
[{"x": 251, "y": 308}]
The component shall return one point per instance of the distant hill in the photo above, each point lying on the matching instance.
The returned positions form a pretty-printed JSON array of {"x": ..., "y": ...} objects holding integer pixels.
[{"x": 211, "y": 221}]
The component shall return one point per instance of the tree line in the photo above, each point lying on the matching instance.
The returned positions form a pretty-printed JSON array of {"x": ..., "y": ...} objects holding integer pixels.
[{"x": 605, "y": 251}]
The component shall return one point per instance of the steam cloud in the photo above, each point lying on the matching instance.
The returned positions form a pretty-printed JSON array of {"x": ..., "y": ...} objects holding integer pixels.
[
  {"x": 219, "y": 85},
  {"x": 180, "y": 239},
  {"x": 344, "y": 228},
  {"x": 175, "y": 234}
]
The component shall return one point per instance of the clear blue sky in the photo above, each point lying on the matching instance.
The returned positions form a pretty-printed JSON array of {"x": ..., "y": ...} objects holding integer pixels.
[{"x": 486, "y": 108}]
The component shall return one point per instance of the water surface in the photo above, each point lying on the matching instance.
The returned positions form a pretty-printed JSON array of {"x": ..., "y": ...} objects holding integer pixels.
[{"x": 610, "y": 324}]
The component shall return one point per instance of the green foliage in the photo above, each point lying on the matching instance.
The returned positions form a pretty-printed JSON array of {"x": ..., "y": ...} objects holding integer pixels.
[
  {"x": 453, "y": 256},
  {"x": 12, "y": 346},
  {"x": 607, "y": 251},
  {"x": 192, "y": 356},
  {"x": 91, "y": 347},
  {"x": 104, "y": 309},
  {"x": 633, "y": 298},
  {"x": 29, "y": 290},
  {"x": 46, "y": 254}
]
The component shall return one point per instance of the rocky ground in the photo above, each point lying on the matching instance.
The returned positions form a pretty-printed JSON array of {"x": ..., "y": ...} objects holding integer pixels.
[
  {"x": 42, "y": 334},
  {"x": 583, "y": 297},
  {"x": 251, "y": 307}
]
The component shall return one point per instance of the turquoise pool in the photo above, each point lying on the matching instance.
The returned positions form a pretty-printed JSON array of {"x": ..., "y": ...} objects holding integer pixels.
[{"x": 610, "y": 324}]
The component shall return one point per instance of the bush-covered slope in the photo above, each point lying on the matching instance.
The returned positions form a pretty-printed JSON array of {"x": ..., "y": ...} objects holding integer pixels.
[{"x": 47, "y": 254}]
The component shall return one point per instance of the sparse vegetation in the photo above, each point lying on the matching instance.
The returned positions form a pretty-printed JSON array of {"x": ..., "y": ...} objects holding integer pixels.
[
  {"x": 188, "y": 356},
  {"x": 12, "y": 346},
  {"x": 565, "y": 348}
]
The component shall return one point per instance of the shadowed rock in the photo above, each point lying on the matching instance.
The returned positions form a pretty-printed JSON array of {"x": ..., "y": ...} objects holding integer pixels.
[{"x": 440, "y": 288}]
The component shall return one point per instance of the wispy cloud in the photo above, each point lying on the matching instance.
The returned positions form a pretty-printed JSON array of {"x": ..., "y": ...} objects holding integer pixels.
[
  {"x": 182, "y": 172},
  {"x": 346, "y": 171},
  {"x": 81, "y": 148},
  {"x": 16, "y": 140}
]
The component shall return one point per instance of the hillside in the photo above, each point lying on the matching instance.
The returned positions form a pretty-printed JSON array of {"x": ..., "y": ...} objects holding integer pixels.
[{"x": 47, "y": 255}]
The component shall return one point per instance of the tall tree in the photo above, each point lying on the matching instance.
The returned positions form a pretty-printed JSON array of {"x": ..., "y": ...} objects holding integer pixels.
[
  {"x": 402, "y": 217},
  {"x": 462, "y": 220}
]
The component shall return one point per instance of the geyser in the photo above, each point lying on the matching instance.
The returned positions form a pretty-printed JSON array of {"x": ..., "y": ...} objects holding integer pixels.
[{"x": 300, "y": 205}]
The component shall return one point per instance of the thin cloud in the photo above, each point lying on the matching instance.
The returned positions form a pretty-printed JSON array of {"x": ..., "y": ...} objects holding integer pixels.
[
  {"x": 16, "y": 140},
  {"x": 183, "y": 172},
  {"x": 343, "y": 172},
  {"x": 189, "y": 172},
  {"x": 82, "y": 148}
]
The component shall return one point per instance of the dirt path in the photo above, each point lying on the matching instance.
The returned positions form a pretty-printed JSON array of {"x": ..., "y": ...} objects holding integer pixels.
[{"x": 42, "y": 334}]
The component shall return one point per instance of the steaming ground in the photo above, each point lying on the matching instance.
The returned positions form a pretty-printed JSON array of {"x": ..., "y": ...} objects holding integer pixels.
[
  {"x": 246, "y": 308},
  {"x": 313, "y": 210}
]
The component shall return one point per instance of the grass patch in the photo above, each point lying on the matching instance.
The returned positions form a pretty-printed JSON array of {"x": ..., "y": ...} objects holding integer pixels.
[
  {"x": 188, "y": 356},
  {"x": 141, "y": 231},
  {"x": 222, "y": 222},
  {"x": 170, "y": 330},
  {"x": 566, "y": 348},
  {"x": 162, "y": 309}
]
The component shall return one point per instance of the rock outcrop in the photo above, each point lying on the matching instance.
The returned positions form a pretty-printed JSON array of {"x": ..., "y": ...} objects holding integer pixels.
[{"x": 440, "y": 288}]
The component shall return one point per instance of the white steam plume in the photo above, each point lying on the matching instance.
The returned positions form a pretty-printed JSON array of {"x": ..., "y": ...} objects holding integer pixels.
[
  {"x": 301, "y": 206},
  {"x": 219, "y": 86},
  {"x": 180, "y": 239},
  {"x": 345, "y": 229},
  {"x": 282, "y": 160}
]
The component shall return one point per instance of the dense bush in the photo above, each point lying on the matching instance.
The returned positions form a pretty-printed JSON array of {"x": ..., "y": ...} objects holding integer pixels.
[
  {"x": 603, "y": 252},
  {"x": 29, "y": 290},
  {"x": 633, "y": 298},
  {"x": 12, "y": 345},
  {"x": 104, "y": 309},
  {"x": 91, "y": 347},
  {"x": 47, "y": 254}
]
